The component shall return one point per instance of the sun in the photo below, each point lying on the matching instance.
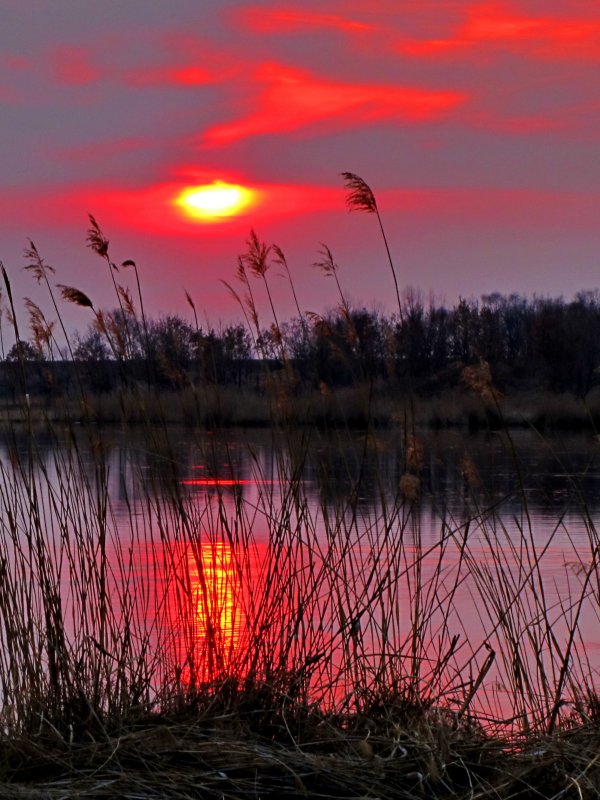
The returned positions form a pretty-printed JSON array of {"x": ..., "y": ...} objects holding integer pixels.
[{"x": 214, "y": 201}]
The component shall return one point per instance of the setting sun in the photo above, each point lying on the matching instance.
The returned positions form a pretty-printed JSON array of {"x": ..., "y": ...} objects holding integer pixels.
[{"x": 215, "y": 201}]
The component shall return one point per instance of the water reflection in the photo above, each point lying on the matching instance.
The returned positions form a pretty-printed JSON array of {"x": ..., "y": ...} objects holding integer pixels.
[
  {"x": 237, "y": 535},
  {"x": 218, "y": 618},
  {"x": 460, "y": 473}
]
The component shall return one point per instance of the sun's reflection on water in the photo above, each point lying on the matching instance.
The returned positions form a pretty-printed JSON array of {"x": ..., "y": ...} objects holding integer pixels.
[{"x": 216, "y": 606}]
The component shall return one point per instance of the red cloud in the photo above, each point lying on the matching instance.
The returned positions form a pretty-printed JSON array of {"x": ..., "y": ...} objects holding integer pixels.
[
  {"x": 525, "y": 124},
  {"x": 543, "y": 36},
  {"x": 291, "y": 99},
  {"x": 178, "y": 58},
  {"x": 555, "y": 37},
  {"x": 72, "y": 66},
  {"x": 16, "y": 63},
  {"x": 190, "y": 75},
  {"x": 280, "y": 20}
]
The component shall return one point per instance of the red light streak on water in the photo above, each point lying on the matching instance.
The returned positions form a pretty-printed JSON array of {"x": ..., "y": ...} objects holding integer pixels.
[
  {"x": 216, "y": 482},
  {"x": 224, "y": 482}
]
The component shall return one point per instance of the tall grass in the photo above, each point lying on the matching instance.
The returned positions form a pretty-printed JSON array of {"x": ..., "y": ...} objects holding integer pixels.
[{"x": 139, "y": 595}]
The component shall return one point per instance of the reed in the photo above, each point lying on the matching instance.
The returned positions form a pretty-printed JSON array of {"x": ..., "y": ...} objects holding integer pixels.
[{"x": 161, "y": 627}]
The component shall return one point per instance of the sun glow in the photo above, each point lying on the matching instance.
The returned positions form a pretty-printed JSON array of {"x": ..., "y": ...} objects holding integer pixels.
[{"x": 215, "y": 201}]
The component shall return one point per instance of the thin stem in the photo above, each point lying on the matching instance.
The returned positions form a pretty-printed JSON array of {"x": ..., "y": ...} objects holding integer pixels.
[{"x": 389, "y": 255}]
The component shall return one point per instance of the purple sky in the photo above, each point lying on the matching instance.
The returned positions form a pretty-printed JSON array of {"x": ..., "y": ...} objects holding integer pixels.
[{"x": 476, "y": 124}]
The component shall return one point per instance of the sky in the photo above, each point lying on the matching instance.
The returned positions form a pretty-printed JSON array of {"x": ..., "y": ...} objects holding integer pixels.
[{"x": 476, "y": 124}]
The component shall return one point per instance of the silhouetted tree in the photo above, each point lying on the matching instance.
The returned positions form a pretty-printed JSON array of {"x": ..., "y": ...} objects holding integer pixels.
[
  {"x": 93, "y": 357},
  {"x": 23, "y": 351},
  {"x": 171, "y": 347}
]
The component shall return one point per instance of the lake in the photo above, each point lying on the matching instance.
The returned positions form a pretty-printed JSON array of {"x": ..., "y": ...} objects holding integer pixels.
[{"x": 460, "y": 568}]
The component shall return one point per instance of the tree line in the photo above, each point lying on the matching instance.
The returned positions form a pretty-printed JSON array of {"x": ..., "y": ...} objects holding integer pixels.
[{"x": 528, "y": 343}]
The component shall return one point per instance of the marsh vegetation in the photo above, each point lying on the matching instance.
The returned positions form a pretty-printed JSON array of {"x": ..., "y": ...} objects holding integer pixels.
[{"x": 186, "y": 613}]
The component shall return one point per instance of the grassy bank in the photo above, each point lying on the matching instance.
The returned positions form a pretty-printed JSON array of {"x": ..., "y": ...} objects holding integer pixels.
[
  {"x": 229, "y": 755},
  {"x": 356, "y": 407}
]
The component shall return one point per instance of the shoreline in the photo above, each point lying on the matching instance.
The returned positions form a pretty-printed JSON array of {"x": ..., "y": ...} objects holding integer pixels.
[
  {"x": 249, "y": 750},
  {"x": 357, "y": 407}
]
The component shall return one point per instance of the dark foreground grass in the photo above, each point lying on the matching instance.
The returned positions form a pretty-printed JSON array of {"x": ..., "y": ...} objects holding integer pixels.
[{"x": 242, "y": 752}]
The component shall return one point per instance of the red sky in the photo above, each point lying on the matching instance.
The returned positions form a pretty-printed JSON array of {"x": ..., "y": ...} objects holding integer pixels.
[{"x": 477, "y": 125}]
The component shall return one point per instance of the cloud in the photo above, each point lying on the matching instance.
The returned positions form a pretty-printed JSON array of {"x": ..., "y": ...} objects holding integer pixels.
[
  {"x": 72, "y": 66},
  {"x": 551, "y": 37},
  {"x": 103, "y": 150},
  {"x": 189, "y": 75},
  {"x": 15, "y": 63},
  {"x": 290, "y": 20},
  {"x": 522, "y": 124},
  {"x": 540, "y": 36},
  {"x": 290, "y": 99}
]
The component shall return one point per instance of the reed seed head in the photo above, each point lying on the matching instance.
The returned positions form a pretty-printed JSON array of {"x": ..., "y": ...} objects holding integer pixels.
[
  {"x": 470, "y": 472},
  {"x": 257, "y": 255},
  {"x": 410, "y": 486},
  {"x": 72, "y": 295},
  {"x": 279, "y": 258},
  {"x": 478, "y": 377},
  {"x": 96, "y": 240},
  {"x": 37, "y": 265},
  {"x": 240, "y": 272},
  {"x": 360, "y": 196},
  {"x": 41, "y": 329},
  {"x": 125, "y": 296},
  {"x": 415, "y": 453},
  {"x": 326, "y": 263},
  {"x": 188, "y": 297}
]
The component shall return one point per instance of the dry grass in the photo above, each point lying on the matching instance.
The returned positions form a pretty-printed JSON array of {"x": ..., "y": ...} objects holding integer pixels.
[
  {"x": 229, "y": 756},
  {"x": 354, "y": 407}
]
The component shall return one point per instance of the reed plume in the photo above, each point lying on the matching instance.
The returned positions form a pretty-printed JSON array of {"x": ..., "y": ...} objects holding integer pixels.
[
  {"x": 360, "y": 197},
  {"x": 98, "y": 242},
  {"x": 329, "y": 268},
  {"x": 72, "y": 295},
  {"x": 96, "y": 239},
  {"x": 41, "y": 271},
  {"x": 256, "y": 257},
  {"x": 41, "y": 328},
  {"x": 192, "y": 305}
]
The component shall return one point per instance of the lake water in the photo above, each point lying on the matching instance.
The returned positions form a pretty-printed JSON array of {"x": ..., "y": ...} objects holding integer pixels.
[{"x": 474, "y": 577}]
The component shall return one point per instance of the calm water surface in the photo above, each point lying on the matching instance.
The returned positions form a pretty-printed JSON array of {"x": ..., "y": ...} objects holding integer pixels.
[{"x": 527, "y": 507}]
